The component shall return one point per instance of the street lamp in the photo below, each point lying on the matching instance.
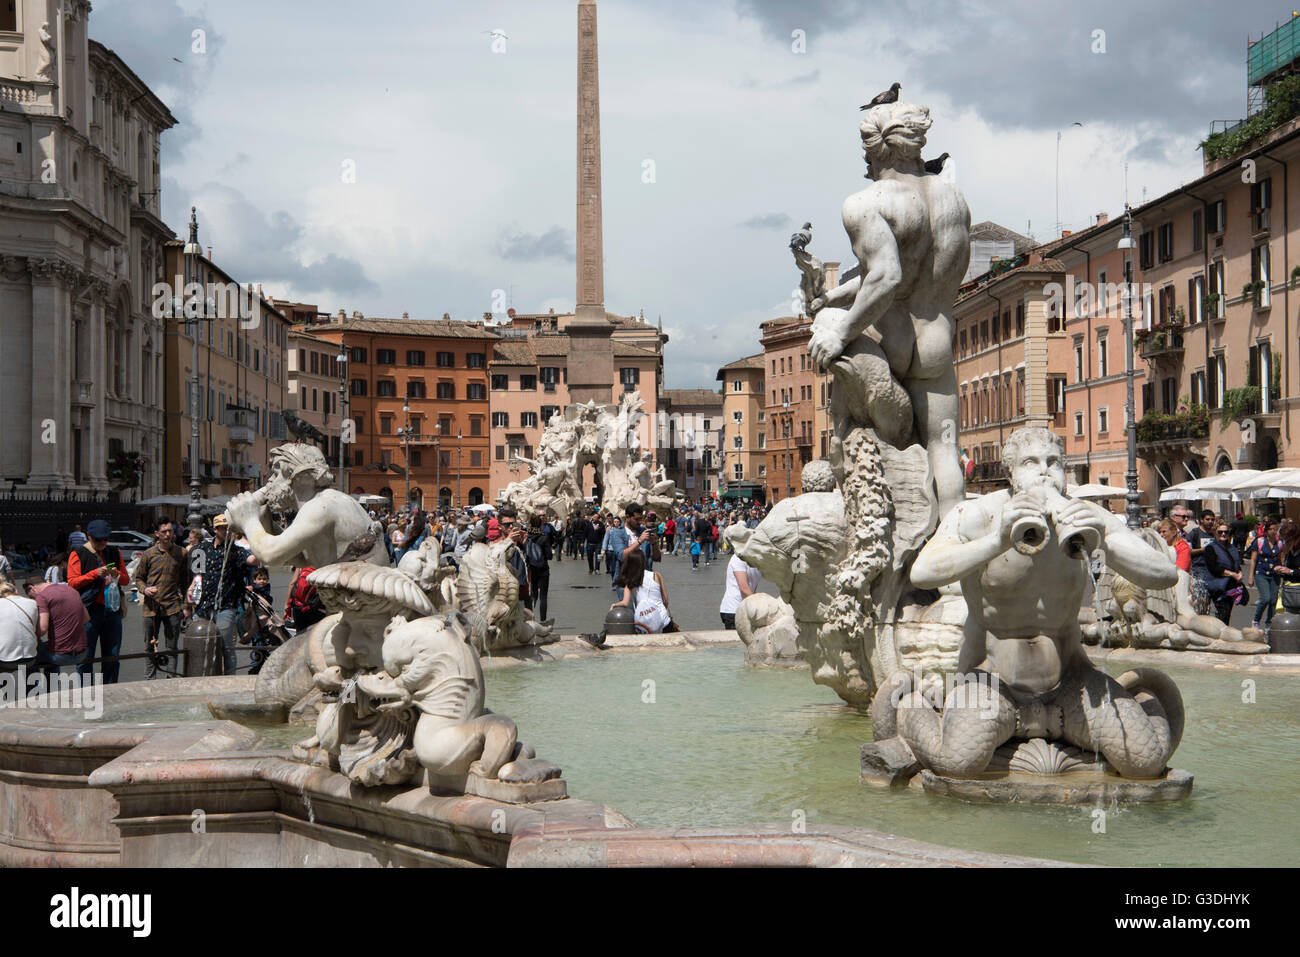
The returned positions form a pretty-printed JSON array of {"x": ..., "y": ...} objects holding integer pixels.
[
  {"x": 785, "y": 427},
  {"x": 437, "y": 455},
  {"x": 1130, "y": 420},
  {"x": 406, "y": 451},
  {"x": 459, "y": 501},
  {"x": 343, "y": 401},
  {"x": 191, "y": 251}
]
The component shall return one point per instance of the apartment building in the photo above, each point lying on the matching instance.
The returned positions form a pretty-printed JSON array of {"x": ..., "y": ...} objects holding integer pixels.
[
  {"x": 243, "y": 378},
  {"x": 418, "y": 400},
  {"x": 695, "y": 434},
  {"x": 743, "y": 460},
  {"x": 791, "y": 394},
  {"x": 318, "y": 390},
  {"x": 1007, "y": 343}
]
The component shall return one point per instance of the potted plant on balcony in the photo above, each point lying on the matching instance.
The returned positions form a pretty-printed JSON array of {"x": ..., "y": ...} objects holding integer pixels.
[
  {"x": 1210, "y": 305},
  {"x": 1252, "y": 290},
  {"x": 1239, "y": 402},
  {"x": 1295, "y": 276},
  {"x": 124, "y": 470}
]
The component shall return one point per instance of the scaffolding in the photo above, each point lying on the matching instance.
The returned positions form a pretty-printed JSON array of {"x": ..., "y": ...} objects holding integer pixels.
[{"x": 1268, "y": 59}]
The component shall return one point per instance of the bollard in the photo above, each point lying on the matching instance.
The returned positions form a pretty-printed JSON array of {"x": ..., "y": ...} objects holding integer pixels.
[
  {"x": 1284, "y": 634},
  {"x": 620, "y": 621},
  {"x": 202, "y": 643}
]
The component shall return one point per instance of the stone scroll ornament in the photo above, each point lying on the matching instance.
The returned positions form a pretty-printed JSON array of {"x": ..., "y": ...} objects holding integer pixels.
[
  {"x": 894, "y": 463},
  {"x": 604, "y": 437}
]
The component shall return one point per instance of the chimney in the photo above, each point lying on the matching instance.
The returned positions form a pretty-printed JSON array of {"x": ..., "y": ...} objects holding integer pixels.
[
  {"x": 1103, "y": 218},
  {"x": 446, "y": 317},
  {"x": 832, "y": 272},
  {"x": 1065, "y": 232},
  {"x": 511, "y": 312},
  {"x": 406, "y": 315}
]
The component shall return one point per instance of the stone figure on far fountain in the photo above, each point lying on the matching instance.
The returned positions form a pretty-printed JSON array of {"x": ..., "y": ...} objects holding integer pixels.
[{"x": 1021, "y": 558}]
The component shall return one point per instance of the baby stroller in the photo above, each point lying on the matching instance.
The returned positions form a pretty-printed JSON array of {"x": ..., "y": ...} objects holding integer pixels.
[{"x": 264, "y": 629}]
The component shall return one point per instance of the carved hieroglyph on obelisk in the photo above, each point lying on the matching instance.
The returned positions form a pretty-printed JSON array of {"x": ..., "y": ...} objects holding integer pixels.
[{"x": 591, "y": 354}]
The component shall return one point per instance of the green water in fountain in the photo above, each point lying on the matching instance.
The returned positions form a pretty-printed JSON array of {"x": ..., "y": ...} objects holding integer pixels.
[{"x": 726, "y": 744}]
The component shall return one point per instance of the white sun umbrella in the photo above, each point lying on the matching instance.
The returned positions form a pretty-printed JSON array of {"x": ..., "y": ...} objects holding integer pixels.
[
  {"x": 483, "y": 507},
  {"x": 1095, "y": 491},
  {"x": 1275, "y": 483},
  {"x": 1213, "y": 486}
]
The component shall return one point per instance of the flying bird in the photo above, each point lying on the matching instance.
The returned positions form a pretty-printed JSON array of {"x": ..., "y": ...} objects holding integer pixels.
[
  {"x": 303, "y": 430},
  {"x": 880, "y": 99},
  {"x": 802, "y": 238},
  {"x": 359, "y": 548},
  {"x": 936, "y": 165},
  {"x": 497, "y": 34}
]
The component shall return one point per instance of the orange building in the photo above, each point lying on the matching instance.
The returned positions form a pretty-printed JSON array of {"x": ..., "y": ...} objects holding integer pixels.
[
  {"x": 419, "y": 401},
  {"x": 792, "y": 398}
]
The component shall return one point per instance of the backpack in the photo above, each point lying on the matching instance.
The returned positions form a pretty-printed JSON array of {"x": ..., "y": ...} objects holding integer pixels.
[
  {"x": 303, "y": 599},
  {"x": 533, "y": 554},
  {"x": 89, "y": 562}
]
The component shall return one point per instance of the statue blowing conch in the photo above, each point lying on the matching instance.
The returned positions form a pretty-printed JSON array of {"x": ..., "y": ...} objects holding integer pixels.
[{"x": 890, "y": 603}]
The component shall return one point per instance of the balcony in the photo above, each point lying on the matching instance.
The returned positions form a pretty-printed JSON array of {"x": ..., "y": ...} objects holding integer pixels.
[
  {"x": 83, "y": 394},
  {"x": 985, "y": 472},
  {"x": 1164, "y": 343},
  {"x": 241, "y": 425},
  {"x": 1160, "y": 433}
]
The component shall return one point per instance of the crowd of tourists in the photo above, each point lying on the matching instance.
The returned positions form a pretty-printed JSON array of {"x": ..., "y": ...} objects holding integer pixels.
[{"x": 1226, "y": 558}]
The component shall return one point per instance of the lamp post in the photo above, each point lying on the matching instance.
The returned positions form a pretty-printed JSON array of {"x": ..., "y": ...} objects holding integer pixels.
[
  {"x": 406, "y": 452},
  {"x": 437, "y": 457},
  {"x": 343, "y": 400},
  {"x": 785, "y": 427},
  {"x": 459, "y": 436},
  {"x": 1130, "y": 419},
  {"x": 191, "y": 251}
]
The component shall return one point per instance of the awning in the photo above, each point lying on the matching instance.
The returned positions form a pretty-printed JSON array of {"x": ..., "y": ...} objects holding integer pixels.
[{"x": 1214, "y": 486}]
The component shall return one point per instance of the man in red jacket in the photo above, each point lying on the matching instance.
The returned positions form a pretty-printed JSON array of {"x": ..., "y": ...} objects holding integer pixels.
[{"x": 95, "y": 569}]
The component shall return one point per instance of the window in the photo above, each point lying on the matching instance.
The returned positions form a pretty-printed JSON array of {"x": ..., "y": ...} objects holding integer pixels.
[
  {"x": 708, "y": 425},
  {"x": 475, "y": 360},
  {"x": 415, "y": 457},
  {"x": 1198, "y": 230},
  {"x": 358, "y": 354},
  {"x": 415, "y": 357},
  {"x": 629, "y": 378},
  {"x": 500, "y": 453},
  {"x": 1259, "y": 365},
  {"x": 415, "y": 389},
  {"x": 1196, "y": 300},
  {"x": 762, "y": 440},
  {"x": 1102, "y": 367},
  {"x": 385, "y": 425},
  {"x": 737, "y": 385},
  {"x": 1103, "y": 420},
  {"x": 762, "y": 470},
  {"x": 1020, "y": 319},
  {"x": 9, "y": 18},
  {"x": 528, "y": 420},
  {"x": 550, "y": 376},
  {"x": 1166, "y": 303},
  {"x": 315, "y": 362},
  {"x": 1056, "y": 394},
  {"x": 386, "y": 357},
  {"x": 358, "y": 425},
  {"x": 1259, "y": 272},
  {"x": 358, "y": 386},
  {"x": 444, "y": 425},
  {"x": 386, "y": 388},
  {"x": 738, "y": 417},
  {"x": 1079, "y": 374},
  {"x": 1217, "y": 289},
  {"x": 528, "y": 383},
  {"x": 500, "y": 383},
  {"x": 500, "y": 420},
  {"x": 549, "y": 411},
  {"x": 446, "y": 390},
  {"x": 446, "y": 360},
  {"x": 476, "y": 425},
  {"x": 1218, "y": 380},
  {"x": 1146, "y": 250},
  {"x": 1165, "y": 242},
  {"x": 961, "y": 338},
  {"x": 737, "y": 442},
  {"x": 475, "y": 459},
  {"x": 1216, "y": 219},
  {"x": 984, "y": 334},
  {"x": 737, "y": 472},
  {"x": 476, "y": 391},
  {"x": 1078, "y": 423},
  {"x": 1261, "y": 198},
  {"x": 1198, "y": 387}
]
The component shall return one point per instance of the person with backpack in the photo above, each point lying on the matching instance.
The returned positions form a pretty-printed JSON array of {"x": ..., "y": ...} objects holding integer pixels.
[
  {"x": 1263, "y": 554},
  {"x": 538, "y": 553},
  {"x": 594, "y": 529},
  {"x": 224, "y": 567},
  {"x": 97, "y": 572},
  {"x": 1226, "y": 585},
  {"x": 303, "y": 608}
]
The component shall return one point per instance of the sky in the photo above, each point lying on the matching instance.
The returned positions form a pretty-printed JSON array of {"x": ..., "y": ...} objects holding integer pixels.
[{"x": 413, "y": 162}]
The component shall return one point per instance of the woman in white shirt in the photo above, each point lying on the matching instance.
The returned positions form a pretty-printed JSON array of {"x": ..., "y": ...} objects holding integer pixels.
[
  {"x": 19, "y": 622},
  {"x": 645, "y": 593},
  {"x": 742, "y": 579}
]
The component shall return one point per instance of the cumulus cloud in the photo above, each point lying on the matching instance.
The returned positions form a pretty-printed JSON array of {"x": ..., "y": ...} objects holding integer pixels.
[
  {"x": 769, "y": 221},
  {"x": 555, "y": 243}
]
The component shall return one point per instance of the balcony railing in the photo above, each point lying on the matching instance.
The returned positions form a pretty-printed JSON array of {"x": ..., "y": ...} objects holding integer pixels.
[
  {"x": 241, "y": 425},
  {"x": 1160, "y": 344},
  {"x": 1161, "y": 428},
  {"x": 988, "y": 472}
]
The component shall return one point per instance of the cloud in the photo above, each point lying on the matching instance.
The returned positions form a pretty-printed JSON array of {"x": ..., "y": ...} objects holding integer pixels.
[
  {"x": 769, "y": 221},
  {"x": 150, "y": 36},
  {"x": 255, "y": 246},
  {"x": 556, "y": 243},
  {"x": 803, "y": 79}
]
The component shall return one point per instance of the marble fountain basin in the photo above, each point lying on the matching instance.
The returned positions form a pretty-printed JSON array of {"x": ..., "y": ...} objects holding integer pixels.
[{"x": 716, "y": 762}]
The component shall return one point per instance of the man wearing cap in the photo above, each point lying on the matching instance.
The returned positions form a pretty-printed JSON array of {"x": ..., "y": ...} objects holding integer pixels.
[
  {"x": 160, "y": 575},
  {"x": 97, "y": 571},
  {"x": 224, "y": 567}
]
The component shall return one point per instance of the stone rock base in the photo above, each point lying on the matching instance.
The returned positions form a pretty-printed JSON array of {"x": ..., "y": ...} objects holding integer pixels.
[
  {"x": 545, "y": 783},
  {"x": 888, "y": 763},
  {"x": 1072, "y": 787}
]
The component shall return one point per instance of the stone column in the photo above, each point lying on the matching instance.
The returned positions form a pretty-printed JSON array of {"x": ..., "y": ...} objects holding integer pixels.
[
  {"x": 51, "y": 379},
  {"x": 94, "y": 456}
]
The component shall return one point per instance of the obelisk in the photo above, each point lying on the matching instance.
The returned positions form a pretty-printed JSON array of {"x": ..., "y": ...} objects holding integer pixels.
[{"x": 591, "y": 353}]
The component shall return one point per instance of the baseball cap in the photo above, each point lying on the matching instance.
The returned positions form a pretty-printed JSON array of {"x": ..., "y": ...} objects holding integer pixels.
[
  {"x": 221, "y": 521},
  {"x": 99, "y": 529}
]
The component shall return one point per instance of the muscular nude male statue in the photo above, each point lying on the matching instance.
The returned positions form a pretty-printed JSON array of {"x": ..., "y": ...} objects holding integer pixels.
[{"x": 910, "y": 232}]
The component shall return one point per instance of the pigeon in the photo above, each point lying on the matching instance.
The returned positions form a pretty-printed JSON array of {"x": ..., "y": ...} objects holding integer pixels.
[
  {"x": 889, "y": 96},
  {"x": 802, "y": 238},
  {"x": 302, "y": 430},
  {"x": 936, "y": 165},
  {"x": 359, "y": 548}
]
